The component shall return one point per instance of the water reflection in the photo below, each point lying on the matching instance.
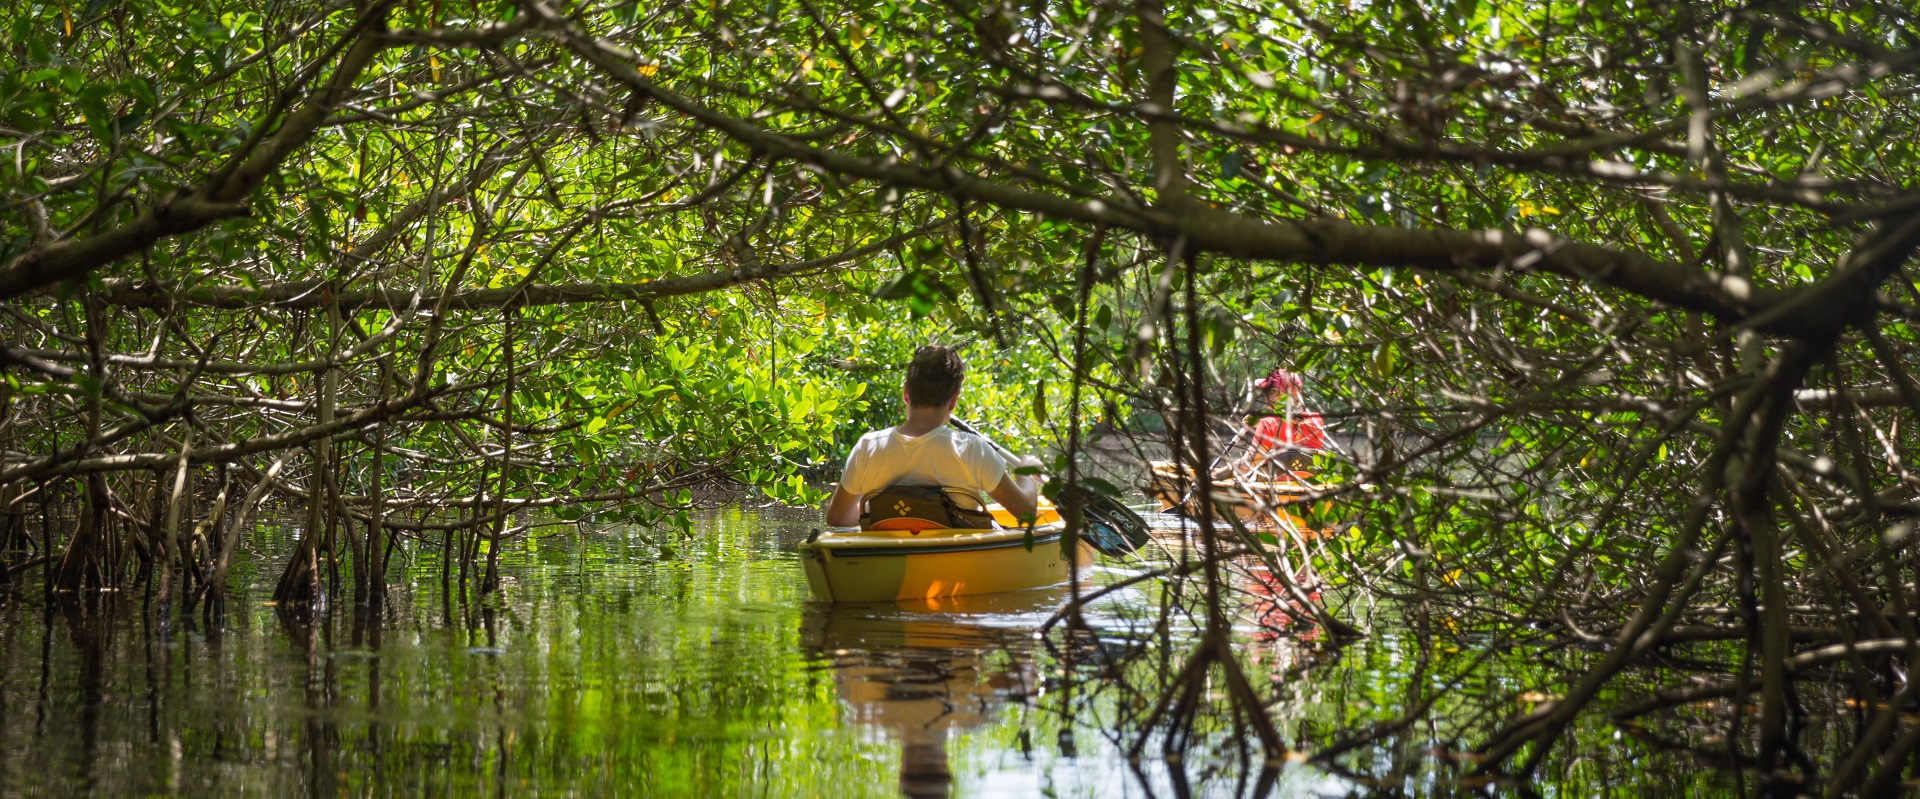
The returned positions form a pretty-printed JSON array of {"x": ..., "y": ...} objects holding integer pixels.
[
  {"x": 924, "y": 672},
  {"x": 608, "y": 668}
]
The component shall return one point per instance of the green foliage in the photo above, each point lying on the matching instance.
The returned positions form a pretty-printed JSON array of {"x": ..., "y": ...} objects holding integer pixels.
[{"x": 1533, "y": 258}]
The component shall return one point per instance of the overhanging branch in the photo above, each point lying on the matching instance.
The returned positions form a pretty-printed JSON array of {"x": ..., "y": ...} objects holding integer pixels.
[
  {"x": 1308, "y": 241},
  {"x": 305, "y": 294}
]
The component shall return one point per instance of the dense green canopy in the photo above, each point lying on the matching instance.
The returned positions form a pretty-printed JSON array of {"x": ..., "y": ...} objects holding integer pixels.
[{"x": 1611, "y": 301}]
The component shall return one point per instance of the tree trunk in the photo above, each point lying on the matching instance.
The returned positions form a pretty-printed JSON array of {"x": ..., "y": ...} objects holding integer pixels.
[
  {"x": 300, "y": 583},
  {"x": 170, "y": 526},
  {"x": 491, "y": 582}
]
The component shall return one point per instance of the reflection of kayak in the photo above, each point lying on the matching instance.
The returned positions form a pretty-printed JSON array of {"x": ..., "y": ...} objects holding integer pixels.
[
  {"x": 891, "y": 565},
  {"x": 1256, "y": 503},
  {"x": 915, "y": 673},
  {"x": 922, "y": 673},
  {"x": 1273, "y": 611}
]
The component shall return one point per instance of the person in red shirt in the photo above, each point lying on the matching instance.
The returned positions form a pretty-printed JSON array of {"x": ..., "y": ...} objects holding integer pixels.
[{"x": 1286, "y": 430}]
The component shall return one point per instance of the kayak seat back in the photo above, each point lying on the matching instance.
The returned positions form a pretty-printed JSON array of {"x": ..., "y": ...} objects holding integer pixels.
[
  {"x": 910, "y": 507},
  {"x": 906, "y": 523}
]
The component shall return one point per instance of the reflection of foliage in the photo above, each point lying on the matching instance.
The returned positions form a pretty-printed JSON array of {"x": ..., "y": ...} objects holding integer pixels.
[
  {"x": 605, "y": 673},
  {"x": 608, "y": 670}
]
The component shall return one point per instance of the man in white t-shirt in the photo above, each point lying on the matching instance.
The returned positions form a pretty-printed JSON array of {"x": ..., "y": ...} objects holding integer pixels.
[{"x": 924, "y": 451}]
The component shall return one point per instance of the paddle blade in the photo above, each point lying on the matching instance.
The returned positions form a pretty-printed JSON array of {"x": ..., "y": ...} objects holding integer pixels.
[{"x": 1111, "y": 528}]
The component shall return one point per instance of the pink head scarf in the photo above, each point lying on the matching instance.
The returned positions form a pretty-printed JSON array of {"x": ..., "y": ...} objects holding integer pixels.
[{"x": 1280, "y": 380}]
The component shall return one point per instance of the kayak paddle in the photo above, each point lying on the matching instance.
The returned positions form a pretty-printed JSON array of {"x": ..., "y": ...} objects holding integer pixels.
[{"x": 1111, "y": 527}]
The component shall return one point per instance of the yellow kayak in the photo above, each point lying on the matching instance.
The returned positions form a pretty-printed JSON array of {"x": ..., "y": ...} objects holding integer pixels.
[{"x": 924, "y": 565}]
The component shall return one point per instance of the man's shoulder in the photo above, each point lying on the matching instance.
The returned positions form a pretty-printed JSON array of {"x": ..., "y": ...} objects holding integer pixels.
[
  {"x": 965, "y": 440},
  {"x": 873, "y": 440},
  {"x": 975, "y": 447}
]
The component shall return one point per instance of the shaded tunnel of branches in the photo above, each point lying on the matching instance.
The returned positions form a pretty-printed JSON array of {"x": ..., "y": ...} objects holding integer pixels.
[{"x": 1614, "y": 307}]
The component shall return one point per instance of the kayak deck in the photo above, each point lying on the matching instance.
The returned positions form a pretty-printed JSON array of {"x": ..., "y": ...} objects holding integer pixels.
[{"x": 895, "y": 565}]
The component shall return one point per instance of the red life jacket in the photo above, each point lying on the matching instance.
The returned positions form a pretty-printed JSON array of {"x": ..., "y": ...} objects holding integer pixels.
[{"x": 1304, "y": 431}]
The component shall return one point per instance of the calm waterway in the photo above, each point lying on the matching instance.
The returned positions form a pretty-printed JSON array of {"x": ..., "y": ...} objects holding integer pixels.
[{"x": 612, "y": 668}]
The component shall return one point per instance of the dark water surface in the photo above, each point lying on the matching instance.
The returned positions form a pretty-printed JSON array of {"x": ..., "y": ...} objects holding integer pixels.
[{"x": 612, "y": 668}]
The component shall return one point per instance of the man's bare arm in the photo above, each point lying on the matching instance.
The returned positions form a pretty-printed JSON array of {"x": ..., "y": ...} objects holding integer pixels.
[
  {"x": 1018, "y": 493},
  {"x": 843, "y": 510}
]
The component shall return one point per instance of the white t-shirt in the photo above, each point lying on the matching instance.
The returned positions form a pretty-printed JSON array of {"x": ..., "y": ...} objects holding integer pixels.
[{"x": 943, "y": 457}]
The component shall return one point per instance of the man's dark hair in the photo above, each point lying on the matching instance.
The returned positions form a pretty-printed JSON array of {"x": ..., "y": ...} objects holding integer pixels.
[{"x": 933, "y": 376}]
